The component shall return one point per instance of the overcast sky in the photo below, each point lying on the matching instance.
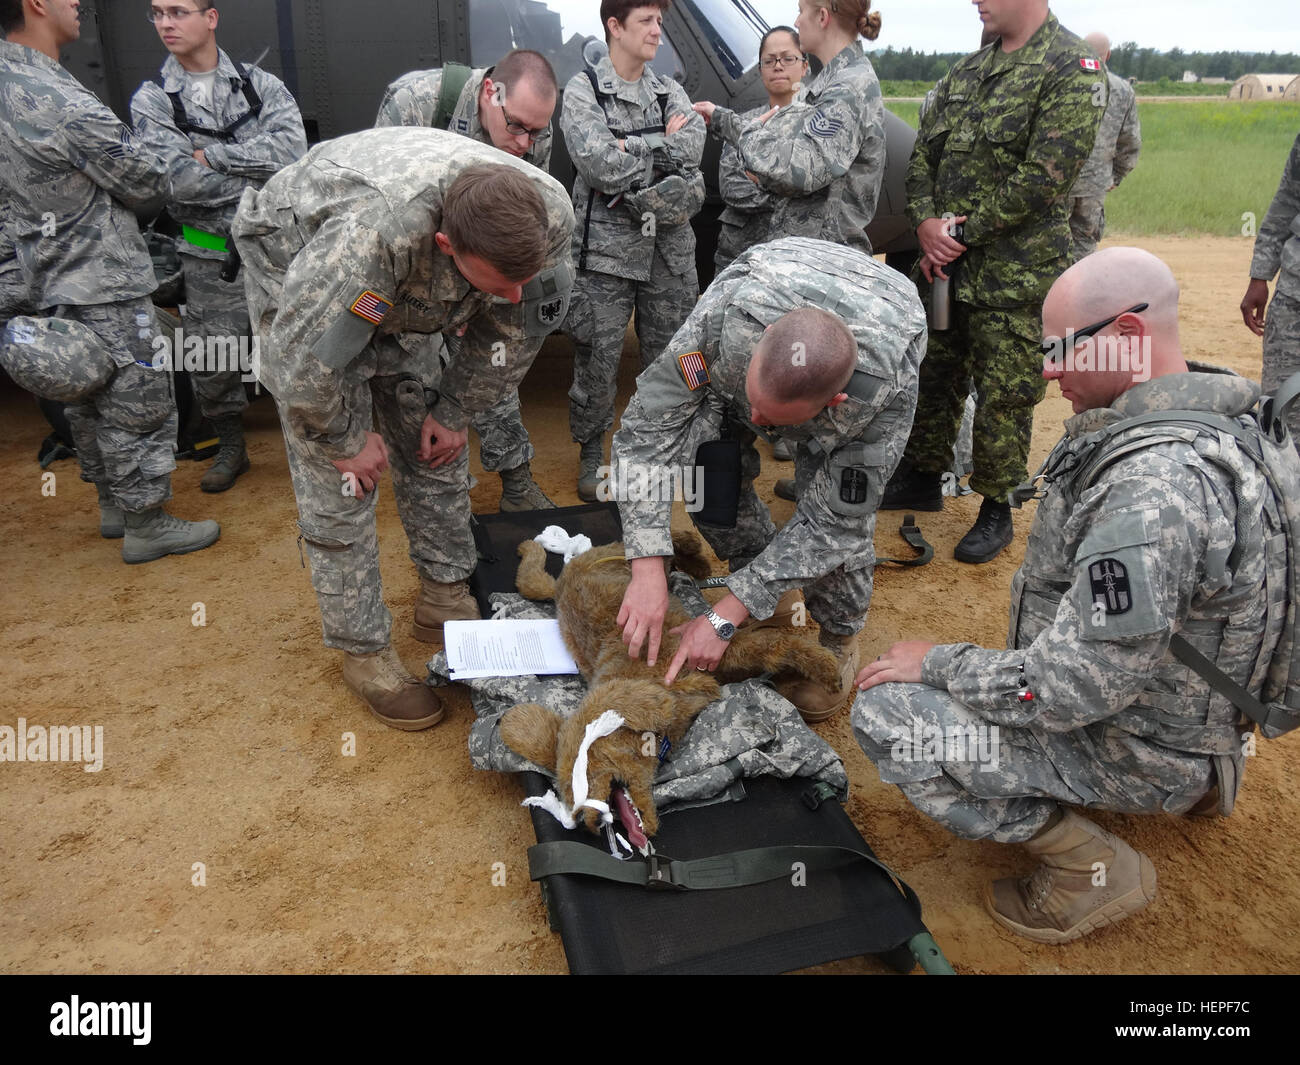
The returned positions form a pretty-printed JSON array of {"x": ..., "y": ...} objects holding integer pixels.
[{"x": 1192, "y": 25}]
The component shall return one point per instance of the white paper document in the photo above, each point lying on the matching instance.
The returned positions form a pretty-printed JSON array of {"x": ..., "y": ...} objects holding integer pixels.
[{"x": 505, "y": 648}]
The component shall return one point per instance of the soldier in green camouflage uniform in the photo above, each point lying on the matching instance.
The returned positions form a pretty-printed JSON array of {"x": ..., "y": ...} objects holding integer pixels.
[
  {"x": 74, "y": 176},
  {"x": 348, "y": 276},
  {"x": 1087, "y": 706},
  {"x": 1115, "y": 154},
  {"x": 636, "y": 147},
  {"x": 521, "y": 127},
  {"x": 1277, "y": 254},
  {"x": 1000, "y": 148},
  {"x": 845, "y": 449},
  {"x": 224, "y": 147}
]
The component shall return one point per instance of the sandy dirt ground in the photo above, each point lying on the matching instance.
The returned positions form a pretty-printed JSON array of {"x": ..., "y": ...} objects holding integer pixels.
[{"x": 223, "y": 746}]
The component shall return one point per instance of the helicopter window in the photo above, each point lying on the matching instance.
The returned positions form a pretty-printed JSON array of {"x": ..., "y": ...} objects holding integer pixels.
[
  {"x": 557, "y": 28},
  {"x": 732, "y": 29}
]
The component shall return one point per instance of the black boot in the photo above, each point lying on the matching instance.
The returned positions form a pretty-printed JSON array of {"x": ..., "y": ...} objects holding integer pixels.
[
  {"x": 913, "y": 489},
  {"x": 988, "y": 536}
]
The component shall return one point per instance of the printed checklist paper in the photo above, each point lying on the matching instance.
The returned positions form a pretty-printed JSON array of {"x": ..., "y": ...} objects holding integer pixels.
[{"x": 505, "y": 648}]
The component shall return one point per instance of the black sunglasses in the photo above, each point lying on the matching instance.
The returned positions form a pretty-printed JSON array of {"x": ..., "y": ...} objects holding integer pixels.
[{"x": 1054, "y": 349}]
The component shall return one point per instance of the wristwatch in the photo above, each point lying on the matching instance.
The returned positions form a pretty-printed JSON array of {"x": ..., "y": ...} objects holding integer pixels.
[{"x": 724, "y": 628}]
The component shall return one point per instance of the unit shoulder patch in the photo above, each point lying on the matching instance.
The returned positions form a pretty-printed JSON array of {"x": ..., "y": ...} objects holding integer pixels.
[{"x": 1110, "y": 586}]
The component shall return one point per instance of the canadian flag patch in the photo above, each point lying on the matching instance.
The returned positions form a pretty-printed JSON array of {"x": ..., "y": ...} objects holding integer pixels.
[{"x": 1090, "y": 65}]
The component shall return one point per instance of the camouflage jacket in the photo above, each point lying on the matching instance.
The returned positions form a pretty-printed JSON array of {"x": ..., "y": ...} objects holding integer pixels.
[
  {"x": 1002, "y": 143},
  {"x": 1161, "y": 541},
  {"x": 858, "y": 442},
  {"x": 75, "y": 175},
  {"x": 341, "y": 244},
  {"x": 1278, "y": 245},
  {"x": 609, "y": 188},
  {"x": 751, "y": 731},
  {"x": 1119, "y": 140},
  {"x": 13, "y": 285},
  {"x": 206, "y": 197},
  {"x": 412, "y": 100},
  {"x": 827, "y": 172},
  {"x": 747, "y": 218}
]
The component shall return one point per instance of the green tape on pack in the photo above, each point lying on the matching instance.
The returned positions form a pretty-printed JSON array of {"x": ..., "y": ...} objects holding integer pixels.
[{"x": 200, "y": 239}]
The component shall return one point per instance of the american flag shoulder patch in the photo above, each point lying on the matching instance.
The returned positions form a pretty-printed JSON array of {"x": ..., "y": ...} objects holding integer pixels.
[
  {"x": 370, "y": 307},
  {"x": 693, "y": 369},
  {"x": 1090, "y": 65}
]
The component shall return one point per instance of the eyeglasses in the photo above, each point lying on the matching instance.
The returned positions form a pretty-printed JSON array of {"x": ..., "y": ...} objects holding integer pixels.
[
  {"x": 518, "y": 129},
  {"x": 1054, "y": 349},
  {"x": 781, "y": 61},
  {"x": 174, "y": 14}
]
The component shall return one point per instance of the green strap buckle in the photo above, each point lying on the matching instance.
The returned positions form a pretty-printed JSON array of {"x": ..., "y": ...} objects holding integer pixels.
[{"x": 201, "y": 239}]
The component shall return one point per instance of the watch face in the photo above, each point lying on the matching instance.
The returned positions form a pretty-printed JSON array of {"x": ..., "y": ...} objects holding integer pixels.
[{"x": 726, "y": 630}]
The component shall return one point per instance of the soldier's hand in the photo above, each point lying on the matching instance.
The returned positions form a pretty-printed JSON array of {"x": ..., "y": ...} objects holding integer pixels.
[
  {"x": 937, "y": 241},
  {"x": 202, "y": 158},
  {"x": 1253, "y": 304},
  {"x": 768, "y": 114},
  {"x": 701, "y": 648},
  {"x": 930, "y": 269},
  {"x": 675, "y": 123},
  {"x": 705, "y": 110},
  {"x": 365, "y": 467},
  {"x": 644, "y": 606},
  {"x": 438, "y": 444},
  {"x": 901, "y": 664}
]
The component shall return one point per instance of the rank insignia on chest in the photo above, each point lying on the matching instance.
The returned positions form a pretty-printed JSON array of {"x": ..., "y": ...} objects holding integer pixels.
[
  {"x": 462, "y": 125},
  {"x": 370, "y": 307},
  {"x": 693, "y": 369},
  {"x": 1090, "y": 65},
  {"x": 1110, "y": 586}
]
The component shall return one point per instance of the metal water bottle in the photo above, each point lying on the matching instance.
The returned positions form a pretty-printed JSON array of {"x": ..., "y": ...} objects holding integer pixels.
[{"x": 941, "y": 292}]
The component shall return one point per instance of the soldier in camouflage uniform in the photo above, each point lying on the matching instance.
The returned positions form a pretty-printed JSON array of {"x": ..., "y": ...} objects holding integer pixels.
[
  {"x": 838, "y": 381},
  {"x": 1119, "y": 140},
  {"x": 1087, "y": 706},
  {"x": 826, "y": 173},
  {"x": 13, "y": 283},
  {"x": 636, "y": 147},
  {"x": 509, "y": 106},
  {"x": 221, "y": 128},
  {"x": 1277, "y": 254},
  {"x": 747, "y": 218},
  {"x": 999, "y": 150},
  {"x": 352, "y": 264},
  {"x": 74, "y": 175}
]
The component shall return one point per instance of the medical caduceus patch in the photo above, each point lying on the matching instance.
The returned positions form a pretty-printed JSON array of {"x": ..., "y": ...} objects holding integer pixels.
[{"x": 1110, "y": 586}]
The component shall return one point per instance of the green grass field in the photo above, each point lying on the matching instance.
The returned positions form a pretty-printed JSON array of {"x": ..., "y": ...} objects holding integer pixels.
[{"x": 1204, "y": 164}]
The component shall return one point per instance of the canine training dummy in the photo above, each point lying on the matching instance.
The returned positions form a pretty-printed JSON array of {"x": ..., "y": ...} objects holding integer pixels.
[{"x": 625, "y": 694}]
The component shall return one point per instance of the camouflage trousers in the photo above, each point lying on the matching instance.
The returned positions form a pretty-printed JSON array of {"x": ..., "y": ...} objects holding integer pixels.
[
  {"x": 982, "y": 781},
  {"x": 1087, "y": 224},
  {"x": 338, "y": 529},
  {"x": 217, "y": 311},
  {"x": 838, "y": 600},
  {"x": 999, "y": 351},
  {"x": 599, "y": 310},
  {"x": 125, "y": 433},
  {"x": 1282, "y": 350}
]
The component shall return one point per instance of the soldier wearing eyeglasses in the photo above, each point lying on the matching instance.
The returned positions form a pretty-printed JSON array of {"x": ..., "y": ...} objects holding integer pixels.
[
  {"x": 1144, "y": 532},
  {"x": 509, "y": 106},
  {"x": 223, "y": 127}
]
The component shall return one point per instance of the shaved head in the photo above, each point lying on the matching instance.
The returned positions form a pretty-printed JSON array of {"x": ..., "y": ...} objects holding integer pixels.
[
  {"x": 1100, "y": 44},
  {"x": 807, "y": 355},
  {"x": 1107, "y": 281}
]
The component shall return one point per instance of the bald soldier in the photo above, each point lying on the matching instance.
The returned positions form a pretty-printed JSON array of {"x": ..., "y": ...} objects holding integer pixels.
[
  {"x": 1139, "y": 536},
  {"x": 354, "y": 257},
  {"x": 1114, "y": 155},
  {"x": 509, "y": 106},
  {"x": 802, "y": 340}
]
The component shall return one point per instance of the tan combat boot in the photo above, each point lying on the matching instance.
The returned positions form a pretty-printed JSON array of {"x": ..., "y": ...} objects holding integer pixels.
[
  {"x": 393, "y": 695},
  {"x": 112, "y": 525},
  {"x": 589, "y": 460},
  {"x": 520, "y": 492},
  {"x": 813, "y": 701},
  {"x": 788, "y": 607},
  {"x": 439, "y": 603},
  {"x": 1088, "y": 879}
]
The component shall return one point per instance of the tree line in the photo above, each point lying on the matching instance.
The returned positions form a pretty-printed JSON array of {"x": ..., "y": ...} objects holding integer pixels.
[{"x": 1127, "y": 60}]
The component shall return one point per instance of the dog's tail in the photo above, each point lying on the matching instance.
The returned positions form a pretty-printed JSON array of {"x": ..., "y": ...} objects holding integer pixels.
[
  {"x": 532, "y": 580},
  {"x": 688, "y": 554}
]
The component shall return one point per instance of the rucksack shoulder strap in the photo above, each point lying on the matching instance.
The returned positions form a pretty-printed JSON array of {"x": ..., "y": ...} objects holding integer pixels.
[{"x": 454, "y": 77}]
